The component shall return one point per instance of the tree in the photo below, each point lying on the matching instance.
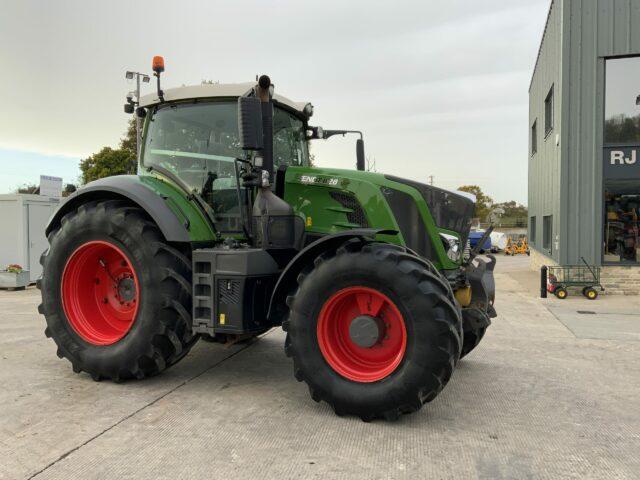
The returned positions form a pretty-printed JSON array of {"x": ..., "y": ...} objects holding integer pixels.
[
  {"x": 512, "y": 209},
  {"x": 69, "y": 188},
  {"x": 28, "y": 188},
  {"x": 484, "y": 203},
  {"x": 108, "y": 161},
  {"x": 129, "y": 142}
]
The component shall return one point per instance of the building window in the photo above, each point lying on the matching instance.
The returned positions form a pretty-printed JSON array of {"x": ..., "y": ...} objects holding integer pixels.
[
  {"x": 547, "y": 232},
  {"x": 622, "y": 211},
  {"x": 532, "y": 230},
  {"x": 548, "y": 112},
  {"x": 534, "y": 137},
  {"x": 621, "y": 112}
]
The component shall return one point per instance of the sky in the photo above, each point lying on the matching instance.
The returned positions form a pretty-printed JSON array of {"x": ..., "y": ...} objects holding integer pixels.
[{"x": 438, "y": 88}]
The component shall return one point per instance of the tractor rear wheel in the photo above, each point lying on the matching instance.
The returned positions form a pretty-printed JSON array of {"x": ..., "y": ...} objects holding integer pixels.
[
  {"x": 116, "y": 296},
  {"x": 373, "y": 331}
]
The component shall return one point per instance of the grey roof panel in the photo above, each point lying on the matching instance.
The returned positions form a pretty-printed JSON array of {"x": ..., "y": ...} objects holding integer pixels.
[{"x": 218, "y": 90}]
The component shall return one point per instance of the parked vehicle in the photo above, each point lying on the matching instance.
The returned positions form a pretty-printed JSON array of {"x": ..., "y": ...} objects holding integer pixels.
[
  {"x": 475, "y": 237},
  {"x": 228, "y": 231},
  {"x": 517, "y": 247}
]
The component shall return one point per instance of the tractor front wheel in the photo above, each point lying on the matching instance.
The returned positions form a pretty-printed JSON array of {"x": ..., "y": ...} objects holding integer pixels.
[
  {"x": 373, "y": 331},
  {"x": 116, "y": 296}
]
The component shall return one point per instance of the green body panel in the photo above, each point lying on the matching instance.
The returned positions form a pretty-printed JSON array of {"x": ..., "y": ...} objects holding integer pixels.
[
  {"x": 312, "y": 199},
  {"x": 308, "y": 189},
  {"x": 176, "y": 199}
]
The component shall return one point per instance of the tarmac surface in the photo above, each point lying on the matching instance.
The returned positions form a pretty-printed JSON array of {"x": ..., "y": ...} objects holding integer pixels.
[{"x": 549, "y": 393}]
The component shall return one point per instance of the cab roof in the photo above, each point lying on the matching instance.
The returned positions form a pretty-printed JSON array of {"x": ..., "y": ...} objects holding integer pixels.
[{"x": 215, "y": 90}]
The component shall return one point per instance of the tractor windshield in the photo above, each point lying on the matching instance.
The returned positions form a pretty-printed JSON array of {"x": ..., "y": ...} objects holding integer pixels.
[{"x": 198, "y": 142}]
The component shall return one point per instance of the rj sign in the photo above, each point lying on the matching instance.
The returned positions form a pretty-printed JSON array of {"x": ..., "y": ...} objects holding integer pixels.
[
  {"x": 621, "y": 162},
  {"x": 619, "y": 157}
]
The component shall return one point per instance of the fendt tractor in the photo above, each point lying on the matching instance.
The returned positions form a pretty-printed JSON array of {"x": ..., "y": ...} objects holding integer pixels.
[{"x": 229, "y": 230}]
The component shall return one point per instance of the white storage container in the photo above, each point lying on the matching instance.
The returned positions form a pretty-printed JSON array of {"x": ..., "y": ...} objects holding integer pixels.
[
  {"x": 499, "y": 240},
  {"x": 22, "y": 240}
]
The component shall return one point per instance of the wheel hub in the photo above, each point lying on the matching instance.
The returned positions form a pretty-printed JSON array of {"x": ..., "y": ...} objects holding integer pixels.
[
  {"x": 365, "y": 331},
  {"x": 126, "y": 289}
]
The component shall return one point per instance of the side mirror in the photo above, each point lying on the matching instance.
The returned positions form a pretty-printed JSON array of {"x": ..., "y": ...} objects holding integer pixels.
[
  {"x": 360, "y": 161},
  {"x": 250, "y": 123},
  {"x": 128, "y": 108}
]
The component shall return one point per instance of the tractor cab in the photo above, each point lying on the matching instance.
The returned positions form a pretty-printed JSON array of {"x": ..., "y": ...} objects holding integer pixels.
[{"x": 192, "y": 136}]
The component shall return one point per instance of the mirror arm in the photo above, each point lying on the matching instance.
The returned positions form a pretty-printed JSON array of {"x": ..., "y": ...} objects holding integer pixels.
[{"x": 330, "y": 133}]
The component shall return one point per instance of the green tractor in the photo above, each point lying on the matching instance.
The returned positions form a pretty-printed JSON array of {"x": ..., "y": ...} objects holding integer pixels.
[{"x": 228, "y": 230}]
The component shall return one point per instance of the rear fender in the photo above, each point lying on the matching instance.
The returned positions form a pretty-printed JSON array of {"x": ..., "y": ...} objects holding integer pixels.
[{"x": 130, "y": 188}]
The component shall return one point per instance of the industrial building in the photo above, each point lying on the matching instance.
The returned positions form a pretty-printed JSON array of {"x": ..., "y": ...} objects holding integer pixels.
[{"x": 584, "y": 137}]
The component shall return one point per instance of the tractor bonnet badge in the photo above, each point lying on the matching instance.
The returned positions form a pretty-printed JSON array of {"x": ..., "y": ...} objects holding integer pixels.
[{"x": 317, "y": 179}]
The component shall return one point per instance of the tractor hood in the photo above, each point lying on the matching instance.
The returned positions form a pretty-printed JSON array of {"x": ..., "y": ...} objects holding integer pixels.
[{"x": 450, "y": 210}]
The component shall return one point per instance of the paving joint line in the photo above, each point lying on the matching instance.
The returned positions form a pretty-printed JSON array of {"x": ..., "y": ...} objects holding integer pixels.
[{"x": 134, "y": 413}]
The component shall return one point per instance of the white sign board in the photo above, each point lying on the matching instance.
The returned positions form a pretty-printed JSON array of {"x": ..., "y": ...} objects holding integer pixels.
[{"x": 50, "y": 186}]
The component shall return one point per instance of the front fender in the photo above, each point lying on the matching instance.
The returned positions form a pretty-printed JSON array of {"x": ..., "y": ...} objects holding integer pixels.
[{"x": 289, "y": 275}]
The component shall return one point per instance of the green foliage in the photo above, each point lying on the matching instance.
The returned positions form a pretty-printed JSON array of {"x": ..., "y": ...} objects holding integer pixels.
[
  {"x": 108, "y": 161},
  {"x": 484, "y": 202},
  {"x": 27, "y": 188},
  {"x": 512, "y": 209},
  {"x": 129, "y": 141},
  {"x": 69, "y": 188},
  {"x": 621, "y": 128}
]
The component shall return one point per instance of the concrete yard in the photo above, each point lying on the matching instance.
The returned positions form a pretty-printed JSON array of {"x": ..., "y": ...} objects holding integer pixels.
[{"x": 550, "y": 393}]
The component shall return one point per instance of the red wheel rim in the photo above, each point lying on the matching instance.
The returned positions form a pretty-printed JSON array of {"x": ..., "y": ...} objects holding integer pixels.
[
  {"x": 100, "y": 292},
  {"x": 350, "y": 360}
]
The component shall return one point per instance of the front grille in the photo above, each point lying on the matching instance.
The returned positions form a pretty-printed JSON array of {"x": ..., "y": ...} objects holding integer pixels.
[
  {"x": 409, "y": 221},
  {"x": 349, "y": 201},
  {"x": 229, "y": 291}
]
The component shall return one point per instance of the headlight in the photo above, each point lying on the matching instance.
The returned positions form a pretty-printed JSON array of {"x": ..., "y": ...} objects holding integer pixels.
[{"x": 452, "y": 246}]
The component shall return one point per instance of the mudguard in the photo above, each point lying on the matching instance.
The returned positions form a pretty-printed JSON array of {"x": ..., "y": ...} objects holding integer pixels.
[
  {"x": 289, "y": 275},
  {"x": 129, "y": 187}
]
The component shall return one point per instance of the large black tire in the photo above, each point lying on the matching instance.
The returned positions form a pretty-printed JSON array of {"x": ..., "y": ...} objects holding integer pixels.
[
  {"x": 474, "y": 324},
  {"x": 431, "y": 318},
  {"x": 471, "y": 340},
  {"x": 161, "y": 332}
]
